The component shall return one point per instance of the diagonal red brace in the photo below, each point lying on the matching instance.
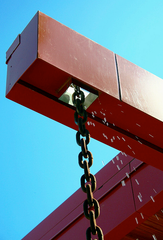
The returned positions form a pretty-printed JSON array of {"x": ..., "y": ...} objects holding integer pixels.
[{"x": 129, "y": 192}]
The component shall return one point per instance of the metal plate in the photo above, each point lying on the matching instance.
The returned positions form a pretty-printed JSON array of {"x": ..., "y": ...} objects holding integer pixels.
[
  {"x": 147, "y": 184},
  {"x": 77, "y": 55}
]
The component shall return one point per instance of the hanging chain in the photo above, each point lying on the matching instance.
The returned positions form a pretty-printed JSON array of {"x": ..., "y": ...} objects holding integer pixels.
[{"x": 80, "y": 117}]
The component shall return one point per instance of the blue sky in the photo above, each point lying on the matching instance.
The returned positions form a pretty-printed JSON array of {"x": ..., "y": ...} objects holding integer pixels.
[{"x": 35, "y": 152}]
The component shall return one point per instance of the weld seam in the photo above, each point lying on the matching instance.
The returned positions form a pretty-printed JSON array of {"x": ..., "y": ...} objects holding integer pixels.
[{"x": 118, "y": 80}]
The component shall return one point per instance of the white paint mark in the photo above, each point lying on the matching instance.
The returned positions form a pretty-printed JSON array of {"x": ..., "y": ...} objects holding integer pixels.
[
  {"x": 105, "y": 136},
  {"x": 142, "y": 215},
  {"x": 113, "y": 161},
  {"x": 123, "y": 139},
  {"x": 151, "y": 135},
  {"x": 111, "y": 113},
  {"x": 133, "y": 152},
  {"x": 161, "y": 210},
  {"x": 117, "y": 157},
  {"x": 154, "y": 237},
  {"x": 121, "y": 161},
  {"x": 113, "y": 124},
  {"x": 140, "y": 194},
  {"x": 105, "y": 121},
  {"x": 118, "y": 167},
  {"x": 139, "y": 142},
  {"x": 134, "y": 169},
  {"x": 123, "y": 153},
  {"x": 136, "y": 137},
  {"x": 128, "y": 130},
  {"x": 127, "y": 175},
  {"x": 120, "y": 105},
  {"x": 136, "y": 220},
  {"x": 94, "y": 124},
  {"x": 111, "y": 140},
  {"x": 89, "y": 123},
  {"x": 122, "y": 111},
  {"x": 137, "y": 181},
  {"x": 102, "y": 113},
  {"x": 154, "y": 190},
  {"x": 140, "y": 197},
  {"x": 138, "y": 125},
  {"x": 129, "y": 146},
  {"x": 152, "y": 198},
  {"x": 157, "y": 217},
  {"x": 118, "y": 137},
  {"x": 123, "y": 183},
  {"x": 103, "y": 163}
]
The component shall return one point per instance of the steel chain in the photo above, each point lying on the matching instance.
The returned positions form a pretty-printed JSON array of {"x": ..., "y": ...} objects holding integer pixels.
[{"x": 80, "y": 118}]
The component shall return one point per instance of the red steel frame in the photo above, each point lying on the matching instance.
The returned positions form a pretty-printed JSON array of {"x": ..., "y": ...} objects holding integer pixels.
[
  {"x": 42, "y": 62},
  {"x": 45, "y": 58},
  {"x": 127, "y": 198}
]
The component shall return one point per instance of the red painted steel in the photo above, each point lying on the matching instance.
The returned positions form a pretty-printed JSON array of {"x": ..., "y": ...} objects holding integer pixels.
[
  {"x": 140, "y": 89},
  {"x": 13, "y": 48},
  {"x": 145, "y": 196},
  {"x": 24, "y": 55},
  {"x": 117, "y": 192},
  {"x": 143, "y": 91},
  {"x": 76, "y": 55},
  {"x": 42, "y": 62},
  {"x": 49, "y": 56}
]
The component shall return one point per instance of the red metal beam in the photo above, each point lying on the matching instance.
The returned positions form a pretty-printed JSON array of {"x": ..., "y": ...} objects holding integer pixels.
[
  {"x": 127, "y": 198},
  {"x": 127, "y": 115},
  {"x": 42, "y": 62}
]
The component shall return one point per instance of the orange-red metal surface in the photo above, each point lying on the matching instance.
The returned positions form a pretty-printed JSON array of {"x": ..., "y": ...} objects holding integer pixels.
[
  {"x": 116, "y": 192},
  {"x": 50, "y": 56},
  {"x": 140, "y": 89},
  {"x": 146, "y": 187}
]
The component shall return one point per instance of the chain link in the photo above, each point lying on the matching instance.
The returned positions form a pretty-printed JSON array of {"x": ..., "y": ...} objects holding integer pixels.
[{"x": 80, "y": 118}]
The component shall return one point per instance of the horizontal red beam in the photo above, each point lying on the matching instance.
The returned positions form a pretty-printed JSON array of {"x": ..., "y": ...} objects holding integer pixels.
[
  {"x": 127, "y": 115},
  {"x": 129, "y": 191}
]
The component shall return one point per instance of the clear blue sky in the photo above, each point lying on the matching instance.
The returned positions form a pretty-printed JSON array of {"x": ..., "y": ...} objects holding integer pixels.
[{"x": 35, "y": 152}]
